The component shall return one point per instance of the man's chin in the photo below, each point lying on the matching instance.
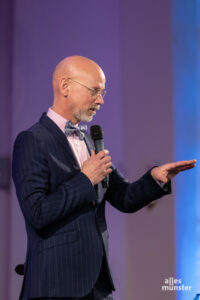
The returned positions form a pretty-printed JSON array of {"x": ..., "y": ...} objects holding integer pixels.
[
  {"x": 84, "y": 117},
  {"x": 87, "y": 119}
]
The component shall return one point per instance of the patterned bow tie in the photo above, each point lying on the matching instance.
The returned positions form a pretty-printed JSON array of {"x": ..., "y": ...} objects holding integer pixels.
[{"x": 70, "y": 128}]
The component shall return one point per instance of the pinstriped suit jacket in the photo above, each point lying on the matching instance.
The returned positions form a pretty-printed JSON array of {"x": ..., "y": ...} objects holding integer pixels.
[{"x": 67, "y": 232}]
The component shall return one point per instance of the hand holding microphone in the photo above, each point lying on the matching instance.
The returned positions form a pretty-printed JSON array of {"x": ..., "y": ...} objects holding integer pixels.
[{"x": 98, "y": 166}]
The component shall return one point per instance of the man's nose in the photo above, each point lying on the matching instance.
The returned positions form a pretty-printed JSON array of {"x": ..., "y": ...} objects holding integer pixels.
[{"x": 99, "y": 100}]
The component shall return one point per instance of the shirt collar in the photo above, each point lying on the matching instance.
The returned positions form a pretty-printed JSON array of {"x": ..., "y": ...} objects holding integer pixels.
[{"x": 56, "y": 118}]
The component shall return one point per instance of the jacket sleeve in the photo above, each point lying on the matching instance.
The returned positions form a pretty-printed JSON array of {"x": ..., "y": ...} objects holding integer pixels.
[
  {"x": 130, "y": 197},
  {"x": 31, "y": 175}
]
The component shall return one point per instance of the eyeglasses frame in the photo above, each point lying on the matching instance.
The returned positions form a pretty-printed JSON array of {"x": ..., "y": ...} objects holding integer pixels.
[{"x": 96, "y": 94}]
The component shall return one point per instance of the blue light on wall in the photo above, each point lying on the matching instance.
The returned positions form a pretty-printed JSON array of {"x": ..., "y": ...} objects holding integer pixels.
[{"x": 186, "y": 70}]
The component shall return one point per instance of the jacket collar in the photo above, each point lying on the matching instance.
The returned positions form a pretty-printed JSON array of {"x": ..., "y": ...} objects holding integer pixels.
[{"x": 60, "y": 136}]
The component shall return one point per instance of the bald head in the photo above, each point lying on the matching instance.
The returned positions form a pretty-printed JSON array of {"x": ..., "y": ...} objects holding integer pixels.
[
  {"x": 74, "y": 66},
  {"x": 73, "y": 79}
]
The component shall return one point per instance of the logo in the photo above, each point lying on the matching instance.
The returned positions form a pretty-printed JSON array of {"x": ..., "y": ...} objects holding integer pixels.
[{"x": 173, "y": 284}]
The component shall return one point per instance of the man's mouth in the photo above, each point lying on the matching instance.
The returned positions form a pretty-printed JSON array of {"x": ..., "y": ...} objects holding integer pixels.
[{"x": 94, "y": 109}]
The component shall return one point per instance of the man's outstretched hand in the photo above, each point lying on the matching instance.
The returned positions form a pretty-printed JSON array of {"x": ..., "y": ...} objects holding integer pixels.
[{"x": 166, "y": 172}]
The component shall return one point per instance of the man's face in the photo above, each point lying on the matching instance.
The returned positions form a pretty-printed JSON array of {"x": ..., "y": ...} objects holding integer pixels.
[{"x": 82, "y": 101}]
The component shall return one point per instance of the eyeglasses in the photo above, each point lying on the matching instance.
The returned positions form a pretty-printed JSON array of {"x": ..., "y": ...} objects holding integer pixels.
[{"x": 95, "y": 92}]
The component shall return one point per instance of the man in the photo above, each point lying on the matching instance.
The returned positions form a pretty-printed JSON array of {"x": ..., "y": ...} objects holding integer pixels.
[{"x": 58, "y": 183}]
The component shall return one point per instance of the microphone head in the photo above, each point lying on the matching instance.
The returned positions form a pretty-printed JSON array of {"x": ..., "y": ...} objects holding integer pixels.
[{"x": 96, "y": 132}]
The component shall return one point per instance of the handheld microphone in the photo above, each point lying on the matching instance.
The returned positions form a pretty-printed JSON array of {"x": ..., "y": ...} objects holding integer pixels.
[{"x": 97, "y": 136}]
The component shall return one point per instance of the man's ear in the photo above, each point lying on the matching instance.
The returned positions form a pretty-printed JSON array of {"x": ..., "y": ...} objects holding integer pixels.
[{"x": 64, "y": 87}]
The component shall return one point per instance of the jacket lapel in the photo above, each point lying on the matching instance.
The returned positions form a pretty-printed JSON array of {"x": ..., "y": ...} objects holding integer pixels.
[
  {"x": 89, "y": 143},
  {"x": 62, "y": 140},
  {"x": 59, "y": 136}
]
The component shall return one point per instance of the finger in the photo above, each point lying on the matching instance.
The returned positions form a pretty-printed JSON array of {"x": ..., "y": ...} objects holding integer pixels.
[
  {"x": 108, "y": 171},
  {"x": 102, "y": 153},
  {"x": 92, "y": 153},
  {"x": 106, "y": 159},
  {"x": 108, "y": 165},
  {"x": 180, "y": 169},
  {"x": 185, "y": 162},
  {"x": 171, "y": 166}
]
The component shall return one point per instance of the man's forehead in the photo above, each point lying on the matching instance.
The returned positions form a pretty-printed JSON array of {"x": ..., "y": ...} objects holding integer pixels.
[
  {"x": 94, "y": 77},
  {"x": 92, "y": 70}
]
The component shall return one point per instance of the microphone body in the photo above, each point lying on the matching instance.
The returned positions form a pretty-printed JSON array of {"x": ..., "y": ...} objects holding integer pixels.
[
  {"x": 99, "y": 145},
  {"x": 97, "y": 136}
]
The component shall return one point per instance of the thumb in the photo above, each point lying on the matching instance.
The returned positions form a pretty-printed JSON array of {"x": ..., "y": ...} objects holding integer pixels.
[{"x": 92, "y": 153}]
